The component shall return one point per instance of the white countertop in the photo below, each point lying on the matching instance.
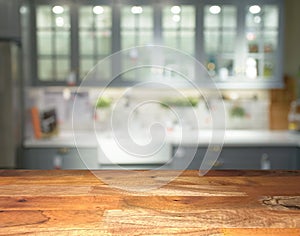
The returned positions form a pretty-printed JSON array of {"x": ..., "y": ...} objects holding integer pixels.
[{"x": 201, "y": 138}]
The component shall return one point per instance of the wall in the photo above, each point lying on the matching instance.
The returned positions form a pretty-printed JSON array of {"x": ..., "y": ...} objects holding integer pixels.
[{"x": 292, "y": 39}]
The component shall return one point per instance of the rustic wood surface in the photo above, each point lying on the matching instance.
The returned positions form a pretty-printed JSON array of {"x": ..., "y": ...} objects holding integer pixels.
[{"x": 219, "y": 203}]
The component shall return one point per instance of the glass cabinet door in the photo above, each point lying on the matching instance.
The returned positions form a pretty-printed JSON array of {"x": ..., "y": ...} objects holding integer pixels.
[
  {"x": 178, "y": 27},
  {"x": 261, "y": 35},
  {"x": 95, "y": 39},
  {"x": 220, "y": 40},
  {"x": 53, "y": 42},
  {"x": 239, "y": 42},
  {"x": 178, "y": 33},
  {"x": 137, "y": 29}
]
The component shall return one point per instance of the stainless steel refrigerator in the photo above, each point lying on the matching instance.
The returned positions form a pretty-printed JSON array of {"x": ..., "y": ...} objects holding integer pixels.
[{"x": 10, "y": 103}]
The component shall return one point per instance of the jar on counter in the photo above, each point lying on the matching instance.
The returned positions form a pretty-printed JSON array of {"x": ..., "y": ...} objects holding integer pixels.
[{"x": 294, "y": 116}]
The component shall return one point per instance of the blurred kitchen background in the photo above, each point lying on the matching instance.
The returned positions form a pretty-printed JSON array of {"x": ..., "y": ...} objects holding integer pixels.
[{"x": 250, "y": 50}]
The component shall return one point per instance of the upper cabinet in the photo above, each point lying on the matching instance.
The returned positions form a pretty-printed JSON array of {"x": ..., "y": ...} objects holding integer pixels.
[
  {"x": 10, "y": 19},
  {"x": 243, "y": 44},
  {"x": 239, "y": 43}
]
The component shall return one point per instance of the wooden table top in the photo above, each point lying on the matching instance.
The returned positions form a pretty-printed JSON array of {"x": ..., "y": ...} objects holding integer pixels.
[{"x": 76, "y": 202}]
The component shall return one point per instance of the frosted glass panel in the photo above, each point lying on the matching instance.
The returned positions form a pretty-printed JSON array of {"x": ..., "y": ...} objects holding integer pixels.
[
  {"x": 254, "y": 21},
  {"x": 211, "y": 41},
  {"x": 188, "y": 16},
  {"x": 228, "y": 42},
  {"x": 88, "y": 19},
  {"x": 43, "y": 16},
  {"x": 44, "y": 42},
  {"x": 229, "y": 15},
  {"x": 271, "y": 16},
  {"x": 146, "y": 18},
  {"x": 142, "y": 20},
  {"x": 86, "y": 43},
  {"x": 62, "y": 43},
  {"x": 128, "y": 39},
  {"x": 104, "y": 20},
  {"x": 61, "y": 20},
  {"x": 267, "y": 17},
  {"x": 85, "y": 66},
  {"x": 127, "y": 18},
  {"x": 146, "y": 38},
  {"x": 45, "y": 69},
  {"x": 53, "y": 43},
  {"x": 211, "y": 20},
  {"x": 170, "y": 39},
  {"x": 136, "y": 29},
  {"x": 95, "y": 39},
  {"x": 187, "y": 42},
  {"x": 179, "y": 27},
  {"x": 103, "y": 72},
  {"x": 104, "y": 43},
  {"x": 62, "y": 69},
  {"x": 185, "y": 19},
  {"x": 168, "y": 21},
  {"x": 85, "y": 17}
]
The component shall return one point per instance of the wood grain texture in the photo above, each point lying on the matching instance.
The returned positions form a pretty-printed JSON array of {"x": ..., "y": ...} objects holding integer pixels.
[{"x": 219, "y": 203}]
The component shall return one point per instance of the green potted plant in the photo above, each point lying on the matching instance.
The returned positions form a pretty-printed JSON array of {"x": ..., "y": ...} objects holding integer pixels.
[
  {"x": 180, "y": 102},
  {"x": 238, "y": 117},
  {"x": 184, "y": 109},
  {"x": 103, "y": 108}
]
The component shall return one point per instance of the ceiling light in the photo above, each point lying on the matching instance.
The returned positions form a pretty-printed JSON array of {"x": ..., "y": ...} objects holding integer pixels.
[
  {"x": 176, "y": 18},
  {"x": 136, "y": 10},
  {"x": 255, "y": 9},
  {"x": 57, "y": 9},
  {"x": 215, "y": 10},
  {"x": 98, "y": 10},
  {"x": 175, "y": 9}
]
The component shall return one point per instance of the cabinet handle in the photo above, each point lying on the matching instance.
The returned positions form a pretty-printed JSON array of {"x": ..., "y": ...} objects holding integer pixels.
[
  {"x": 63, "y": 150},
  {"x": 218, "y": 164},
  {"x": 57, "y": 162},
  {"x": 265, "y": 163},
  {"x": 180, "y": 153},
  {"x": 215, "y": 148}
]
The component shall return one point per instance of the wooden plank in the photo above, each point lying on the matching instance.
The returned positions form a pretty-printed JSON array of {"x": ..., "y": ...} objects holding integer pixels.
[
  {"x": 58, "y": 203},
  {"x": 261, "y": 232},
  {"x": 80, "y": 203}
]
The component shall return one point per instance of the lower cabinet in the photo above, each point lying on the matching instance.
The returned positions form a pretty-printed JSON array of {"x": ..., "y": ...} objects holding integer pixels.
[
  {"x": 281, "y": 158},
  {"x": 59, "y": 158},
  {"x": 298, "y": 158}
]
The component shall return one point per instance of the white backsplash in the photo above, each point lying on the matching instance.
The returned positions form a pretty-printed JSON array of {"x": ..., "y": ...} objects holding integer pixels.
[{"x": 256, "y": 110}]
